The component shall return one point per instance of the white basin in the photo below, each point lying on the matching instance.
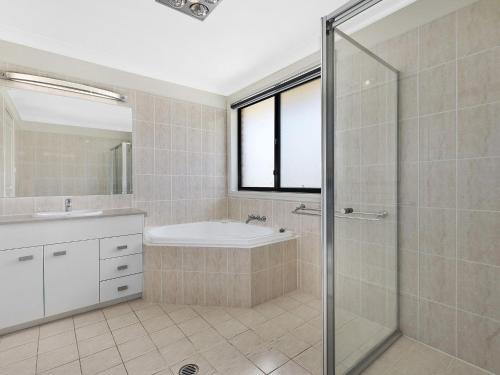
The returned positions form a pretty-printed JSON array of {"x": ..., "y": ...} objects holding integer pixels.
[{"x": 75, "y": 213}]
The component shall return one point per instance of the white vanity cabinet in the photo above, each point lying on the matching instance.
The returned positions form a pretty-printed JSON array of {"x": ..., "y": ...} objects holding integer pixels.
[
  {"x": 71, "y": 276},
  {"x": 53, "y": 268},
  {"x": 21, "y": 285}
]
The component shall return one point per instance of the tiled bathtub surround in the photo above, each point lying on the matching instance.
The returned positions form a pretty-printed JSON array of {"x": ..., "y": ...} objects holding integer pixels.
[
  {"x": 449, "y": 177},
  {"x": 220, "y": 276},
  {"x": 279, "y": 215},
  {"x": 179, "y": 151}
]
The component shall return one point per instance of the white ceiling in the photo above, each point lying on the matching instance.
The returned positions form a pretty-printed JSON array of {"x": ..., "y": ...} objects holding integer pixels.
[
  {"x": 41, "y": 107},
  {"x": 241, "y": 42}
]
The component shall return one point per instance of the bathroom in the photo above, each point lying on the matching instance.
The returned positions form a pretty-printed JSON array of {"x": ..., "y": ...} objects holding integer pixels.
[{"x": 318, "y": 196}]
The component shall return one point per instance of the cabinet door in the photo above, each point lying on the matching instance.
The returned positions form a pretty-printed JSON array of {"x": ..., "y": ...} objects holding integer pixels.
[
  {"x": 21, "y": 286},
  {"x": 71, "y": 276}
]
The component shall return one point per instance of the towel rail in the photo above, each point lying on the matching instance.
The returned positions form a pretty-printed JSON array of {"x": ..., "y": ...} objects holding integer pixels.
[{"x": 345, "y": 213}]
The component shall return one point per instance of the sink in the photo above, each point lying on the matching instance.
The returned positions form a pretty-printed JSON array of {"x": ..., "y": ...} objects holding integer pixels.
[{"x": 74, "y": 213}]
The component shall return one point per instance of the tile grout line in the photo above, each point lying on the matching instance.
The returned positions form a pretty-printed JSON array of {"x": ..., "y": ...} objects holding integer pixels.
[
  {"x": 113, "y": 337},
  {"x": 456, "y": 185},
  {"x": 418, "y": 76},
  {"x": 77, "y": 346}
]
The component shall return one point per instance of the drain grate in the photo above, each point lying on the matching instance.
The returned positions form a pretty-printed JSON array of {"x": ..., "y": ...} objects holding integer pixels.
[{"x": 190, "y": 369}]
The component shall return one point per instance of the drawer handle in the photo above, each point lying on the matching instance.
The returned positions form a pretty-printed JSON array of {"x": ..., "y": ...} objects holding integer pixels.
[
  {"x": 26, "y": 258},
  {"x": 121, "y": 268},
  {"x": 122, "y": 288},
  {"x": 122, "y": 247},
  {"x": 59, "y": 253}
]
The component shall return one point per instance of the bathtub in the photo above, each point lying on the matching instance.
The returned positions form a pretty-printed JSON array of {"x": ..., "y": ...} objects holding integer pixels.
[
  {"x": 215, "y": 234},
  {"x": 218, "y": 263}
]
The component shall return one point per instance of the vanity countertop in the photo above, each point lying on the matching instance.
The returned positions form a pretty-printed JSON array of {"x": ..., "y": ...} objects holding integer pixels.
[{"x": 20, "y": 219}]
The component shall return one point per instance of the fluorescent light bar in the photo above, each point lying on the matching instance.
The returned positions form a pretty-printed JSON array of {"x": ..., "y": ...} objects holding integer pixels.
[{"x": 62, "y": 85}]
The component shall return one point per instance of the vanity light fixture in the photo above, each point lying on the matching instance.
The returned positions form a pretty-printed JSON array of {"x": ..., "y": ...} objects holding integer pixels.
[
  {"x": 59, "y": 84},
  {"x": 199, "y": 9}
]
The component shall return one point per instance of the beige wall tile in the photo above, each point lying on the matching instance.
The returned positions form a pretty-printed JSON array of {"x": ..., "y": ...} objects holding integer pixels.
[
  {"x": 408, "y": 184},
  {"x": 437, "y": 89},
  {"x": 144, "y": 106},
  {"x": 163, "y": 136},
  {"x": 402, "y": 52},
  {"x": 479, "y": 341},
  {"x": 479, "y": 237},
  {"x": 216, "y": 260},
  {"x": 194, "y": 115},
  {"x": 239, "y": 261},
  {"x": 348, "y": 117},
  {"x": 478, "y": 182},
  {"x": 260, "y": 282},
  {"x": 408, "y": 315},
  {"x": 437, "y": 279},
  {"x": 479, "y": 289},
  {"x": 478, "y": 81},
  {"x": 374, "y": 105},
  {"x": 194, "y": 288},
  {"x": 478, "y": 131},
  {"x": 478, "y": 27},
  {"x": 408, "y": 140},
  {"x": 408, "y": 228},
  {"x": 437, "y": 184},
  {"x": 437, "y": 325},
  {"x": 216, "y": 286},
  {"x": 193, "y": 259},
  {"x": 408, "y": 97},
  {"x": 163, "y": 110},
  {"x": 437, "y": 231},
  {"x": 437, "y": 42},
  {"x": 438, "y": 137},
  {"x": 408, "y": 266},
  {"x": 239, "y": 291}
]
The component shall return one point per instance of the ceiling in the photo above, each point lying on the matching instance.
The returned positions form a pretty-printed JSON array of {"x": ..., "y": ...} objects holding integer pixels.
[
  {"x": 241, "y": 42},
  {"x": 44, "y": 108}
]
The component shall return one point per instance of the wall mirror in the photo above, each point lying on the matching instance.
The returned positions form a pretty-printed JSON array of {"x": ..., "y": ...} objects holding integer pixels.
[{"x": 53, "y": 143}]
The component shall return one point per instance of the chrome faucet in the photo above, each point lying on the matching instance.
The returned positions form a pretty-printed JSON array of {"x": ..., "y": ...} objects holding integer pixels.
[
  {"x": 67, "y": 204},
  {"x": 253, "y": 217}
]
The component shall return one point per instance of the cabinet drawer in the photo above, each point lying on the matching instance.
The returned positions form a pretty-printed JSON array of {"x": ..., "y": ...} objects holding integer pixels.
[
  {"x": 121, "y": 266},
  {"x": 121, "y": 246},
  {"x": 121, "y": 287},
  {"x": 21, "y": 286}
]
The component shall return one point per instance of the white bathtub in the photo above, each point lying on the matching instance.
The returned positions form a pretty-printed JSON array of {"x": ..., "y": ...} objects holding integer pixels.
[{"x": 215, "y": 234}]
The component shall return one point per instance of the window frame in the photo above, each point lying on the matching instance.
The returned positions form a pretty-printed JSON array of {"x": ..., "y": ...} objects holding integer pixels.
[{"x": 277, "y": 143}]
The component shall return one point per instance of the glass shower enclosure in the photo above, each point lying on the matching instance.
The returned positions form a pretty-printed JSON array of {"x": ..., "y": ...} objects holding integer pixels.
[
  {"x": 360, "y": 222},
  {"x": 121, "y": 168}
]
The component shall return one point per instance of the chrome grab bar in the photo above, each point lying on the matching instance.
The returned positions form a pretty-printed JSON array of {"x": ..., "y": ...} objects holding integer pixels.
[
  {"x": 345, "y": 213},
  {"x": 303, "y": 210}
]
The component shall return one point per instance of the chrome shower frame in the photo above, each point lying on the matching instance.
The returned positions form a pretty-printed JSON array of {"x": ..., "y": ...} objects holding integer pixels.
[{"x": 329, "y": 24}]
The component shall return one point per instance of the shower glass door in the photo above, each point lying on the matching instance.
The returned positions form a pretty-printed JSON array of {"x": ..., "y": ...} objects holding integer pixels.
[{"x": 361, "y": 121}]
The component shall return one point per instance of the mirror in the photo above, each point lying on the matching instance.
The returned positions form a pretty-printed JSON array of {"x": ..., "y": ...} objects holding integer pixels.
[{"x": 56, "y": 144}]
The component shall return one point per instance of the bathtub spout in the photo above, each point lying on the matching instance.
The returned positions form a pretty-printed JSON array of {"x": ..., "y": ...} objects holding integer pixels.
[{"x": 253, "y": 217}]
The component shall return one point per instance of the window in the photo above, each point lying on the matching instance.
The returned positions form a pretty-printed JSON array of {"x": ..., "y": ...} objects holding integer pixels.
[{"x": 279, "y": 140}]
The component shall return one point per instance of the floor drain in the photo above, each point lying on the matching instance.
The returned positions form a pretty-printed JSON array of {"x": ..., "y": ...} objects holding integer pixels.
[{"x": 190, "y": 369}]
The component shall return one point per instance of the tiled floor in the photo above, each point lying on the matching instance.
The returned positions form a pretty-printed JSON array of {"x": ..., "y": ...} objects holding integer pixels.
[
  {"x": 281, "y": 337},
  {"x": 408, "y": 357}
]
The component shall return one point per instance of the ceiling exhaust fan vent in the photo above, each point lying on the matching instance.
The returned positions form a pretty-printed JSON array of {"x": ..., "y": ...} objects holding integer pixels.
[{"x": 199, "y": 9}]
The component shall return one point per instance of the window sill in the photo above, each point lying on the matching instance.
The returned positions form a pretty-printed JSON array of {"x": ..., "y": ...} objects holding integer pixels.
[{"x": 273, "y": 195}]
